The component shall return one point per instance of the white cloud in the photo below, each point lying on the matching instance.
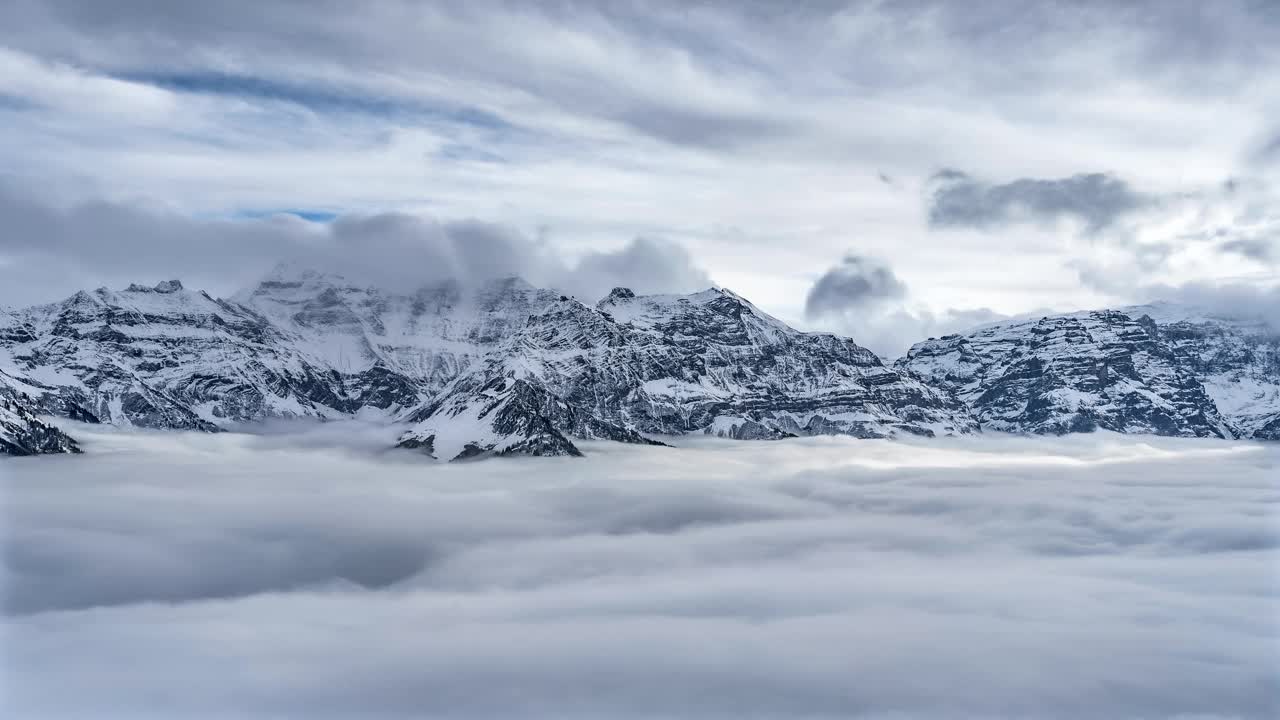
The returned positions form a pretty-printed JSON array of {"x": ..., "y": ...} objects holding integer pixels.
[
  {"x": 53, "y": 252},
  {"x": 757, "y": 152},
  {"x": 863, "y": 298},
  {"x": 314, "y": 573}
]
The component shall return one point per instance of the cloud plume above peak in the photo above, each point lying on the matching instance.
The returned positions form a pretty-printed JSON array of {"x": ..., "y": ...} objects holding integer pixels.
[
  {"x": 857, "y": 282},
  {"x": 863, "y": 298}
]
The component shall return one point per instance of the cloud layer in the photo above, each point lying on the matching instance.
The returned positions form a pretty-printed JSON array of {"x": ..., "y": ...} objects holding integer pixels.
[
  {"x": 311, "y": 573},
  {"x": 62, "y": 250}
]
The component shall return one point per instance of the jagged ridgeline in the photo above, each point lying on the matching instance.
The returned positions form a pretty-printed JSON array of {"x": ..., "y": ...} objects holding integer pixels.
[
  {"x": 1163, "y": 369},
  {"x": 507, "y": 368}
]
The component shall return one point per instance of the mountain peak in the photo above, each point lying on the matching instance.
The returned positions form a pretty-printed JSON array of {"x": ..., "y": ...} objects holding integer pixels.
[{"x": 163, "y": 287}]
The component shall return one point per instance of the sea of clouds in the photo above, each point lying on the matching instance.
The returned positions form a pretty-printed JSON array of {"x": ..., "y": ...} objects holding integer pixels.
[{"x": 308, "y": 572}]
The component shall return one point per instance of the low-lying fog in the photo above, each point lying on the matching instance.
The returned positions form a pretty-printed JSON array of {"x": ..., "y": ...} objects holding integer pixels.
[{"x": 309, "y": 573}]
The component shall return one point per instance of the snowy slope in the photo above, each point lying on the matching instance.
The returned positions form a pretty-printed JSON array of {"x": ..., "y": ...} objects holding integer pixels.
[
  {"x": 431, "y": 334},
  {"x": 1237, "y": 358},
  {"x": 709, "y": 362},
  {"x": 164, "y": 357},
  {"x": 1165, "y": 369},
  {"x": 509, "y": 368},
  {"x": 21, "y": 431}
]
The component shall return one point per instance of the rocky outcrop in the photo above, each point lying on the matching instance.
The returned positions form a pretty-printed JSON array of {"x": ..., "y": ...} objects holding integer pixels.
[
  {"x": 1162, "y": 369},
  {"x": 23, "y": 433},
  {"x": 507, "y": 368},
  {"x": 650, "y": 366},
  {"x": 503, "y": 368}
]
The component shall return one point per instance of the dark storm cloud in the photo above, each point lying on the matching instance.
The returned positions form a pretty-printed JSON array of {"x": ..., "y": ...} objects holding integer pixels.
[
  {"x": 47, "y": 253},
  {"x": 308, "y": 573},
  {"x": 855, "y": 283},
  {"x": 1095, "y": 199}
]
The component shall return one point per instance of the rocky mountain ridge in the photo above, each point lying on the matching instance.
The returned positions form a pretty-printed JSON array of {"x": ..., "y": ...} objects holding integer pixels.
[
  {"x": 635, "y": 367},
  {"x": 507, "y": 368},
  {"x": 503, "y": 368},
  {"x": 22, "y": 432},
  {"x": 1164, "y": 368}
]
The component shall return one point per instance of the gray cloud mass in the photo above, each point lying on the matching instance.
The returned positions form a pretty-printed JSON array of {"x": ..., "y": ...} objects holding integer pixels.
[
  {"x": 1262, "y": 250},
  {"x": 1094, "y": 199},
  {"x": 308, "y": 572},
  {"x": 857, "y": 282},
  {"x": 56, "y": 251},
  {"x": 863, "y": 298}
]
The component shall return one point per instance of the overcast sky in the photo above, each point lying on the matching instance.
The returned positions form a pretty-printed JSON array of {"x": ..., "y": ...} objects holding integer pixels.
[{"x": 877, "y": 168}]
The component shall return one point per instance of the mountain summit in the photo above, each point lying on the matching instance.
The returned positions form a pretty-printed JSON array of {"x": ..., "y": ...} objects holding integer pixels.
[
  {"x": 504, "y": 367},
  {"x": 1165, "y": 369},
  {"x": 508, "y": 368}
]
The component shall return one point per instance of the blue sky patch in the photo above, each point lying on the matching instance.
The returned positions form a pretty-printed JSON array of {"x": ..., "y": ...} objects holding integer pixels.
[{"x": 311, "y": 215}]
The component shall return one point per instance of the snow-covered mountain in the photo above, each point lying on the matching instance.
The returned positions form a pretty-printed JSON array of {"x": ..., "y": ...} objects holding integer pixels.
[
  {"x": 1163, "y": 368},
  {"x": 673, "y": 364},
  {"x": 509, "y": 368},
  {"x": 22, "y": 432},
  {"x": 166, "y": 357},
  {"x": 503, "y": 368}
]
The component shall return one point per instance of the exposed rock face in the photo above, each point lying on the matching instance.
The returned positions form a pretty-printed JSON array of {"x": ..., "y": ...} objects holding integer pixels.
[
  {"x": 505, "y": 368},
  {"x": 1237, "y": 360},
  {"x": 708, "y": 362},
  {"x": 22, "y": 433},
  {"x": 1162, "y": 369},
  {"x": 163, "y": 358}
]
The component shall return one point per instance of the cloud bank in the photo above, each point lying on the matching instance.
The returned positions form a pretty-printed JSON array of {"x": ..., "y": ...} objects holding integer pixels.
[
  {"x": 55, "y": 251},
  {"x": 307, "y": 573}
]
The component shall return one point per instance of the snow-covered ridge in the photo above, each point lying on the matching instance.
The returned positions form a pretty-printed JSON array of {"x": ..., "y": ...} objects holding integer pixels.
[
  {"x": 503, "y": 367},
  {"x": 510, "y": 368},
  {"x": 22, "y": 432},
  {"x": 1160, "y": 368}
]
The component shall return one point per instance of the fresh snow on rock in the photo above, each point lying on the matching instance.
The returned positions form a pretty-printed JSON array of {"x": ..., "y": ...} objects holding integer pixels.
[
  {"x": 649, "y": 366},
  {"x": 507, "y": 368},
  {"x": 1164, "y": 368},
  {"x": 22, "y": 432}
]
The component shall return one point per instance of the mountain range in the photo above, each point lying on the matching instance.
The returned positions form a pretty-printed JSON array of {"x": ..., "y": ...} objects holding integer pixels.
[{"x": 508, "y": 368}]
